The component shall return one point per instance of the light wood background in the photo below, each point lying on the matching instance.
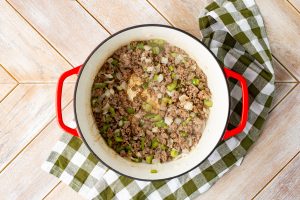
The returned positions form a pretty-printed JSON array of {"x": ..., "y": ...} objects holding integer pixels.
[{"x": 40, "y": 39}]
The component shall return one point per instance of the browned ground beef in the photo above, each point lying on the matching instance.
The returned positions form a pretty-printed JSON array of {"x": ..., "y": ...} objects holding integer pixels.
[{"x": 150, "y": 101}]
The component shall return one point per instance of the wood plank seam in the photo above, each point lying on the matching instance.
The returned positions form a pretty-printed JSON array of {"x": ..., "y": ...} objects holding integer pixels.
[
  {"x": 58, "y": 184},
  {"x": 29, "y": 142},
  {"x": 290, "y": 73},
  {"x": 9, "y": 73},
  {"x": 84, "y": 8},
  {"x": 277, "y": 174},
  {"x": 159, "y": 12},
  {"x": 9, "y": 92},
  {"x": 56, "y": 50},
  {"x": 293, "y": 6},
  {"x": 287, "y": 94}
]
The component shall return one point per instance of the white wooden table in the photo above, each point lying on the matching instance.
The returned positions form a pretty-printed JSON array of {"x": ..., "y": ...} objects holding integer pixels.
[{"x": 40, "y": 39}]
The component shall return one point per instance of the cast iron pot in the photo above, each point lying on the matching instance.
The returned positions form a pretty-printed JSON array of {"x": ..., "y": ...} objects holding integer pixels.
[{"x": 215, "y": 129}]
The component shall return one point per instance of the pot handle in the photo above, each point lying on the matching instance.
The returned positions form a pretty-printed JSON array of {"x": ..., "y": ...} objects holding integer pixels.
[
  {"x": 60, "y": 83},
  {"x": 244, "y": 115}
]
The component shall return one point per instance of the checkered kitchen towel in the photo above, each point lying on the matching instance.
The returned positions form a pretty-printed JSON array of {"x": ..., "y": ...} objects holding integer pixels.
[{"x": 234, "y": 31}]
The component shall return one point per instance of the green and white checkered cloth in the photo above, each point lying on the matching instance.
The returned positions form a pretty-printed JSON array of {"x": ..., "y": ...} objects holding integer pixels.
[{"x": 234, "y": 31}]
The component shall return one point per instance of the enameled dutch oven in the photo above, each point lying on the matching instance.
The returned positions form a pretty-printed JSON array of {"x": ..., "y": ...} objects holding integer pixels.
[{"x": 215, "y": 129}]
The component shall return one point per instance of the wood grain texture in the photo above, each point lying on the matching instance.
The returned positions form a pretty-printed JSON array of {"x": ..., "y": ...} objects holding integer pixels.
[
  {"x": 7, "y": 83},
  {"x": 282, "y": 89},
  {"x": 278, "y": 144},
  {"x": 24, "y": 113},
  {"x": 281, "y": 74},
  {"x": 68, "y": 27},
  {"x": 63, "y": 192},
  {"x": 283, "y": 27},
  {"x": 295, "y": 3},
  {"x": 23, "y": 178},
  {"x": 24, "y": 53},
  {"x": 5, "y": 88},
  {"x": 286, "y": 185},
  {"x": 181, "y": 13},
  {"x": 113, "y": 16}
]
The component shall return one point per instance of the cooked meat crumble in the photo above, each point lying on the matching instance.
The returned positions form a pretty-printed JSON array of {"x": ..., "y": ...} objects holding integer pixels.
[{"x": 150, "y": 101}]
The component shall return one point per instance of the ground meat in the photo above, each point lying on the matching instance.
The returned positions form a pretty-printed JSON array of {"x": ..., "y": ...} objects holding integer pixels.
[{"x": 150, "y": 100}]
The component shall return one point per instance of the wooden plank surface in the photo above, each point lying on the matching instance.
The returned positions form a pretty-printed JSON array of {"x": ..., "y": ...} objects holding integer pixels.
[
  {"x": 282, "y": 89},
  {"x": 183, "y": 14},
  {"x": 63, "y": 192},
  {"x": 113, "y": 16},
  {"x": 283, "y": 27},
  {"x": 295, "y": 3},
  {"x": 281, "y": 74},
  {"x": 286, "y": 185},
  {"x": 7, "y": 83},
  {"x": 28, "y": 109},
  {"x": 68, "y": 27},
  {"x": 277, "y": 145},
  {"x": 23, "y": 178},
  {"x": 24, "y": 53}
]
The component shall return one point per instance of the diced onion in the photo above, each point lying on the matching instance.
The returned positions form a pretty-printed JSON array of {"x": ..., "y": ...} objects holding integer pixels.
[
  {"x": 183, "y": 98},
  {"x": 168, "y": 120},
  {"x": 155, "y": 130},
  {"x": 150, "y": 69},
  {"x": 105, "y": 108},
  {"x": 108, "y": 76},
  {"x": 178, "y": 59},
  {"x": 160, "y": 78},
  {"x": 188, "y": 105},
  {"x": 164, "y": 60},
  {"x": 178, "y": 121},
  {"x": 147, "y": 47},
  {"x": 171, "y": 94}
]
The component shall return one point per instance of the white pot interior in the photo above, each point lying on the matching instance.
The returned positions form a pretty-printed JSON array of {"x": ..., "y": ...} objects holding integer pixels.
[{"x": 215, "y": 124}]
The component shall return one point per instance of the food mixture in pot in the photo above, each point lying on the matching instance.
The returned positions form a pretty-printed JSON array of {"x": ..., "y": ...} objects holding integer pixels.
[{"x": 150, "y": 101}]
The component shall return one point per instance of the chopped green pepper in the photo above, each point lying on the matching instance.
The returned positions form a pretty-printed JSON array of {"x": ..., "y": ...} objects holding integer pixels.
[
  {"x": 147, "y": 107},
  {"x": 94, "y": 102},
  {"x": 208, "y": 103},
  {"x": 154, "y": 143},
  {"x": 117, "y": 132},
  {"x": 128, "y": 148},
  {"x": 172, "y": 86},
  {"x": 166, "y": 100},
  {"x": 100, "y": 85},
  {"x": 115, "y": 62},
  {"x": 174, "y": 153},
  {"x": 185, "y": 122},
  {"x": 173, "y": 76},
  {"x": 163, "y": 147},
  {"x": 130, "y": 110},
  {"x": 153, "y": 117},
  {"x": 109, "y": 142},
  {"x": 143, "y": 143},
  {"x": 155, "y": 50},
  {"x": 155, "y": 78},
  {"x": 104, "y": 128},
  {"x": 173, "y": 54},
  {"x": 145, "y": 85},
  {"x": 196, "y": 81},
  {"x": 140, "y": 46},
  {"x": 183, "y": 133},
  {"x": 136, "y": 159},
  {"x": 118, "y": 139},
  {"x": 171, "y": 68},
  {"x": 149, "y": 159},
  {"x": 161, "y": 124},
  {"x": 121, "y": 123},
  {"x": 112, "y": 111},
  {"x": 108, "y": 118},
  {"x": 153, "y": 171}
]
